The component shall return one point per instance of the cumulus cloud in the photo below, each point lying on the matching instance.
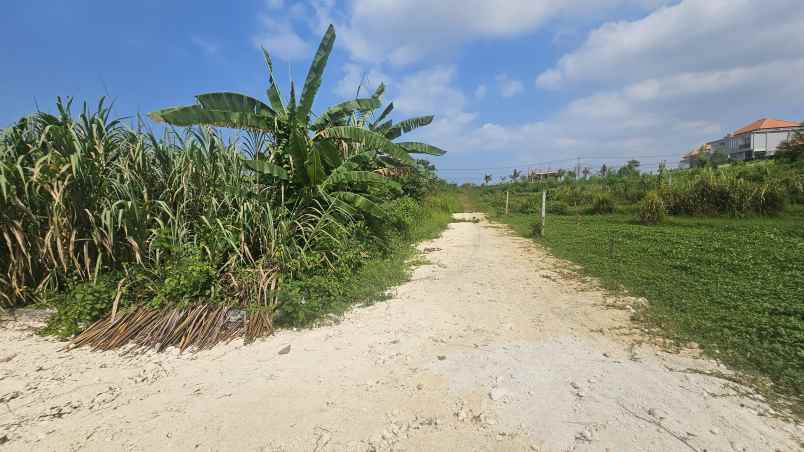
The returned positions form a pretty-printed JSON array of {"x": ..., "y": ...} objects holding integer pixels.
[
  {"x": 651, "y": 120},
  {"x": 693, "y": 35},
  {"x": 355, "y": 75},
  {"x": 431, "y": 90},
  {"x": 281, "y": 39},
  {"x": 481, "y": 91},
  {"x": 508, "y": 86},
  {"x": 405, "y": 31},
  {"x": 683, "y": 72}
]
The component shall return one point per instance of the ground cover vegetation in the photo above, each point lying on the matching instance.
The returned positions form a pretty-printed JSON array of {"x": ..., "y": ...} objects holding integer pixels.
[
  {"x": 717, "y": 252},
  {"x": 193, "y": 236}
]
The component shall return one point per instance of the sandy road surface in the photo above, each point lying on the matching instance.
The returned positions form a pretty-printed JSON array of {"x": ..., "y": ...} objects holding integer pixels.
[{"x": 491, "y": 346}]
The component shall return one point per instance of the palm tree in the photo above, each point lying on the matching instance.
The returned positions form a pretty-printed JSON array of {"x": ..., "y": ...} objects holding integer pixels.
[
  {"x": 515, "y": 175},
  {"x": 314, "y": 157},
  {"x": 487, "y": 179}
]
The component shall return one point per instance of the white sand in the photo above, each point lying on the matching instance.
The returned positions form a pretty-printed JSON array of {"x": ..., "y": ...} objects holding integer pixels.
[{"x": 494, "y": 346}]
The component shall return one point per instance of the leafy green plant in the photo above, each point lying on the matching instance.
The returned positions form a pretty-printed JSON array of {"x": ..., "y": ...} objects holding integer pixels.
[
  {"x": 602, "y": 203},
  {"x": 651, "y": 209},
  {"x": 314, "y": 157},
  {"x": 81, "y": 304},
  {"x": 557, "y": 208},
  {"x": 536, "y": 229},
  {"x": 190, "y": 279}
]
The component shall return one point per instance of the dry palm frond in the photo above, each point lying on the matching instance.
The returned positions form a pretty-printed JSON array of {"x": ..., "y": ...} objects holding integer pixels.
[{"x": 199, "y": 327}]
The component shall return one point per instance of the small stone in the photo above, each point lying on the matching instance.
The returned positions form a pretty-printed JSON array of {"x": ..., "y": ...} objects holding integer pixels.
[
  {"x": 605, "y": 354},
  {"x": 574, "y": 385},
  {"x": 585, "y": 435},
  {"x": 714, "y": 431},
  {"x": 10, "y": 396},
  {"x": 285, "y": 350},
  {"x": 651, "y": 412},
  {"x": 419, "y": 386},
  {"x": 441, "y": 357},
  {"x": 497, "y": 394}
]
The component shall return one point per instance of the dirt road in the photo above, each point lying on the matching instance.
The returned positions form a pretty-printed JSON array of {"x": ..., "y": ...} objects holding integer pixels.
[{"x": 493, "y": 345}]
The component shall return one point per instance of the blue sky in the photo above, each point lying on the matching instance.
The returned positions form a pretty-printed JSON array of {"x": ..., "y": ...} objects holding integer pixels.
[{"x": 518, "y": 83}]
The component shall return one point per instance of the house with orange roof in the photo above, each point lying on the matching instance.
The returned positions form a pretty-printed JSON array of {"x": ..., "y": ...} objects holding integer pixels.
[
  {"x": 760, "y": 139},
  {"x": 757, "y": 140},
  {"x": 690, "y": 158}
]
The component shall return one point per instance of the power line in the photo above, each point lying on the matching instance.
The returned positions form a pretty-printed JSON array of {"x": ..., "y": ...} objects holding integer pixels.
[{"x": 544, "y": 162}]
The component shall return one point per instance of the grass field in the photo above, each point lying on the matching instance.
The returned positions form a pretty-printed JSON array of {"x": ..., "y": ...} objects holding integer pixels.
[{"x": 734, "y": 286}]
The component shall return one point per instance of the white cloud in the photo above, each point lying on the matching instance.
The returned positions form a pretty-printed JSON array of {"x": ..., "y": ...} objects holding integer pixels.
[
  {"x": 653, "y": 86},
  {"x": 207, "y": 45},
  {"x": 651, "y": 120},
  {"x": 508, "y": 86},
  {"x": 356, "y": 76},
  {"x": 481, "y": 91},
  {"x": 281, "y": 40},
  {"x": 694, "y": 35},
  {"x": 405, "y": 31},
  {"x": 430, "y": 91}
]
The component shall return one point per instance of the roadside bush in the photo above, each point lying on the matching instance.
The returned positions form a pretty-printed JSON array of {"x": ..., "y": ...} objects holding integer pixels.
[
  {"x": 651, "y": 209},
  {"x": 82, "y": 304},
  {"x": 602, "y": 204},
  {"x": 536, "y": 229},
  {"x": 190, "y": 279},
  {"x": 557, "y": 208},
  {"x": 724, "y": 194}
]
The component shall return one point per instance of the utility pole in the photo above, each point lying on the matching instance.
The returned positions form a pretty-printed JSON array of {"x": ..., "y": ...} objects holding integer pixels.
[{"x": 544, "y": 206}]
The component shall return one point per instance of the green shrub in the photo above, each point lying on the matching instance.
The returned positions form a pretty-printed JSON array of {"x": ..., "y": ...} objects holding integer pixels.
[
  {"x": 188, "y": 280},
  {"x": 557, "y": 208},
  {"x": 82, "y": 304},
  {"x": 719, "y": 193},
  {"x": 536, "y": 229},
  {"x": 651, "y": 209},
  {"x": 768, "y": 199},
  {"x": 602, "y": 204}
]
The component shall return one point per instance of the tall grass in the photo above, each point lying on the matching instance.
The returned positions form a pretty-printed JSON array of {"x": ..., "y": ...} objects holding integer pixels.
[
  {"x": 102, "y": 221},
  {"x": 757, "y": 188}
]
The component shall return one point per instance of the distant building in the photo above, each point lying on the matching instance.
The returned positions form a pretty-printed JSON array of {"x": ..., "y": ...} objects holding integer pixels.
[
  {"x": 690, "y": 158},
  {"x": 537, "y": 175},
  {"x": 760, "y": 139}
]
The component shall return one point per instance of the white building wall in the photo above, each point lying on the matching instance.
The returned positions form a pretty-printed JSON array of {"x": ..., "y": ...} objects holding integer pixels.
[
  {"x": 775, "y": 139},
  {"x": 769, "y": 141}
]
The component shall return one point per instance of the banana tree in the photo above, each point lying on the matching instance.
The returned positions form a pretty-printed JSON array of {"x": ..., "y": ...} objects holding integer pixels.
[{"x": 311, "y": 155}]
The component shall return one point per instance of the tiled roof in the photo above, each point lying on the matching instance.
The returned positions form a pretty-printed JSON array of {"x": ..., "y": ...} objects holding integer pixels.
[
  {"x": 765, "y": 123},
  {"x": 696, "y": 151}
]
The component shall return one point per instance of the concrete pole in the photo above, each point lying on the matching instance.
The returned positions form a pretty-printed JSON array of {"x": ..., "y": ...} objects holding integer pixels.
[{"x": 544, "y": 207}]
